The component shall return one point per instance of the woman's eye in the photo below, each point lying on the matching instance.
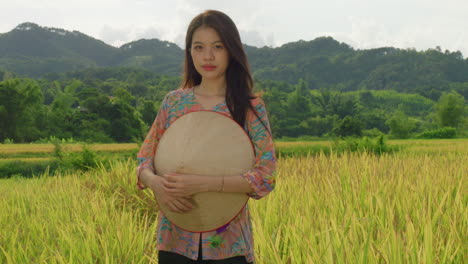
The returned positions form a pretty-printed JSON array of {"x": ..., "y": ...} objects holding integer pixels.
[
  {"x": 219, "y": 46},
  {"x": 197, "y": 47}
]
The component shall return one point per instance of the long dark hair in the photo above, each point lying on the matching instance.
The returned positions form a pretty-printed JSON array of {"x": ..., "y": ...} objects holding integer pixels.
[{"x": 238, "y": 77}]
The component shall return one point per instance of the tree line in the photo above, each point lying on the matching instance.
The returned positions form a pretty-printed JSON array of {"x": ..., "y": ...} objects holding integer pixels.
[{"x": 119, "y": 104}]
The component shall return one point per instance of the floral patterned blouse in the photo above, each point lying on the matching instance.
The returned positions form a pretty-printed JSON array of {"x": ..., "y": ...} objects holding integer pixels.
[{"x": 234, "y": 238}]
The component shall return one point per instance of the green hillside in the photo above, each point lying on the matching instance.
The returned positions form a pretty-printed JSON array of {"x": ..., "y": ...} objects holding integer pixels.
[{"x": 68, "y": 85}]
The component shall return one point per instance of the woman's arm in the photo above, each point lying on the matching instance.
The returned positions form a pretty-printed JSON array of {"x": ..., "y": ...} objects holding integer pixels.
[
  {"x": 145, "y": 171},
  {"x": 262, "y": 177},
  {"x": 185, "y": 184},
  {"x": 148, "y": 148},
  {"x": 148, "y": 178}
]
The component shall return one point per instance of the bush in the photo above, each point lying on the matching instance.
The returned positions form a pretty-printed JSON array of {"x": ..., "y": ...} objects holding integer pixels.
[
  {"x": 374, "y": 132},
  {"x": 8, "y": 141},
  {"x": 301, "y": 151},
  {"x": 26, "y": 169},
  {"x": 365, "y": 144},
  {"x": 445, "y": 132},
  {"x": 83, "y": 160},
  {"x": 301, "y": 138},
  {"x": 53, "y": 139}
]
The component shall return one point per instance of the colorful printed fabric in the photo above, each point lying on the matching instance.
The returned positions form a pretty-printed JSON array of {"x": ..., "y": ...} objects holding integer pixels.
[{"x": 235, "y": 238}]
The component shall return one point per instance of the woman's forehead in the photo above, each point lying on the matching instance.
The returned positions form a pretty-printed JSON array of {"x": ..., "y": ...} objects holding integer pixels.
[{"x": 206, "y": 35}]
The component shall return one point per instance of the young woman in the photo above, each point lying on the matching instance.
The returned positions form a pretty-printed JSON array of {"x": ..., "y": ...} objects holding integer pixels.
[{"x": 216, "y": 78}]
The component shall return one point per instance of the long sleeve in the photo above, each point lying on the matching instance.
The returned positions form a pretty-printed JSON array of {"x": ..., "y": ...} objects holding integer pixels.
[
  {"x": 148, "y": 148},
  {"x": 262, "y": 176}
]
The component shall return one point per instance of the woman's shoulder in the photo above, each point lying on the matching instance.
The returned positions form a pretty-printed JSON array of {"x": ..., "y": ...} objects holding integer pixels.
[
  {"x": 178, "y": 92},
  {"x": 258, "y": 104},
  {"x": 257, "y": 101},
  {"x": 176, "y": 95}
]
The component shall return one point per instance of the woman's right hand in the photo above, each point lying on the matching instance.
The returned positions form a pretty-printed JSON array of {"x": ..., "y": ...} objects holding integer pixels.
[{"x": 175, "y": 204}]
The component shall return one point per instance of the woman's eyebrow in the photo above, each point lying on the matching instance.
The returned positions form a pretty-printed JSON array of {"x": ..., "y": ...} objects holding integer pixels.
[{"x": 199, "y": 42}]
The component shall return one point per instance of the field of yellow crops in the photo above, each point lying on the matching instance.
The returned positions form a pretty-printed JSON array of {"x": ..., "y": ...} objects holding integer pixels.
[
  {"x": 48, "y": 148},
  {"x": 407, "y": 207}
]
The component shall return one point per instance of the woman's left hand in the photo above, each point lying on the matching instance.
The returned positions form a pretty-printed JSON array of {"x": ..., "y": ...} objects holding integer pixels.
[{"x": 182, "y": 185}]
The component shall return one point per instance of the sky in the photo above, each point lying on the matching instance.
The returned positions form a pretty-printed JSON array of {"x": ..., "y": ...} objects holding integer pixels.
[{"x": 362, "y": 24}]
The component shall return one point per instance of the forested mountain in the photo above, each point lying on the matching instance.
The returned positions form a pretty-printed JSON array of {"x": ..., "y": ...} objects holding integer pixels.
[
  {"x": 326, "y": 63},
  {"x": 65, "y": 84},
  {"x": 33, "y": 50}
]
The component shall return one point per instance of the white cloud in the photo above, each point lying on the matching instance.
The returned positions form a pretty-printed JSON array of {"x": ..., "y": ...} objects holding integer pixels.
[
  {"x": 120, "y": 36},
  {"x": 113, "y": 36},
  {"x": 243, "y": 14},
  {"x": 253, "y": 38},
  {"x": 361, "y": 23}
]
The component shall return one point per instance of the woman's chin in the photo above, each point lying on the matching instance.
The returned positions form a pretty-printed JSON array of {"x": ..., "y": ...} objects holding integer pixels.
[{"x": 212, "y": 76}]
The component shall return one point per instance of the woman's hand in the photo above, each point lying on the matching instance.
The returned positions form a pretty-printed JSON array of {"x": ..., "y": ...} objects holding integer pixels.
[
  {"x": 178, "y": 204},
  {"x": 183, "y": 185}
]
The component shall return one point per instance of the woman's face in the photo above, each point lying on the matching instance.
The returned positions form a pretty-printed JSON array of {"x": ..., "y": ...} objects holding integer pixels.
[{"x": 209, "y": 54}]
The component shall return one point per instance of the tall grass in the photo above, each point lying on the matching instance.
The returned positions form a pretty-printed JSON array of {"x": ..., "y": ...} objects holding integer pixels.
[
  {"x": 97, "y": 217},
  {"x": 353, "y": 208},
  {"x": 362, "y": 208}
]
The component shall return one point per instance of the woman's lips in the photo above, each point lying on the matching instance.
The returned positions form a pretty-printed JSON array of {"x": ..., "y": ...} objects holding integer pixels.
[{"x": 209, "y": 67}]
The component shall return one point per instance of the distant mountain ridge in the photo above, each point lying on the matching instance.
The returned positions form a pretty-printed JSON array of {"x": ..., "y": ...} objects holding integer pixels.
[{"x": 33, "y": 51}]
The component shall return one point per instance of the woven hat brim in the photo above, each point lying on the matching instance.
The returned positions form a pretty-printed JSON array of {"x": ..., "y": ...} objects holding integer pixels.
[{"x": 211, "y": 144}]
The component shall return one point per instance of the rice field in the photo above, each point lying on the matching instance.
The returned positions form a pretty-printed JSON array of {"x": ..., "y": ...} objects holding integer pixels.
[
  {"x": 18, "y": 150},
  {"x": 407, "y": 207}
]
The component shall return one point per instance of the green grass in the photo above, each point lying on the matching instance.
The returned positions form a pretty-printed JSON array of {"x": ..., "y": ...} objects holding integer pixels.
[{"x": 34, "y": 159}]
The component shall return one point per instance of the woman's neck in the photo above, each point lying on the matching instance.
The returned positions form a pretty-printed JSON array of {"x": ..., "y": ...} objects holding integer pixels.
[{"x": 212, "y": 87}]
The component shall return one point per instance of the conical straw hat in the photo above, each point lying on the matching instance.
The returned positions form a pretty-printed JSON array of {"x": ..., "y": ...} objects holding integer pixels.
[{"x": 205, "y": 143}]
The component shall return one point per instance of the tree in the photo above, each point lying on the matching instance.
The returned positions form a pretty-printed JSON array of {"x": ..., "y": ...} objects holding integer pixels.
[
  {"x": 348, "y": 126},
  {"x": 124, "y": 96},
  {"x": 450, "y": 109},
  {"x": 400, "y": 125},
  {"x": 126, "y": 126},
  {"x": 334, "y": 103},
  {"x": 374, "y": 118},
  {"x": 319, "y": 126},
  {"x": 18, "y": 100},
  {"x": 298, "y": 102},
  {"x": 148, "y": 112}
]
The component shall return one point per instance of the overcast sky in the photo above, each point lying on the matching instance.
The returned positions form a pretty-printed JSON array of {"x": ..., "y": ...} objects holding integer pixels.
[{"x": 363, "y": 24}]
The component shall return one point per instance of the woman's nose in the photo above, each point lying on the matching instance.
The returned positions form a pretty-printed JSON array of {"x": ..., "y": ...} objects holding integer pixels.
[{"x": 208, "y": 54}]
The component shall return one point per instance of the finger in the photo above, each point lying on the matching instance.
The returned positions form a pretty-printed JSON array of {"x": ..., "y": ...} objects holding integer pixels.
[
  {"x": 181, "y": 206},
  {"x": 170, "y": 185},
  {"x": 186, "y": 202},
  {"x": 170, "y": 178},
  {"x": 169, "y": 191},
  {"x": 173, "y": 208},
  {"x": 173, "y": 191}
]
